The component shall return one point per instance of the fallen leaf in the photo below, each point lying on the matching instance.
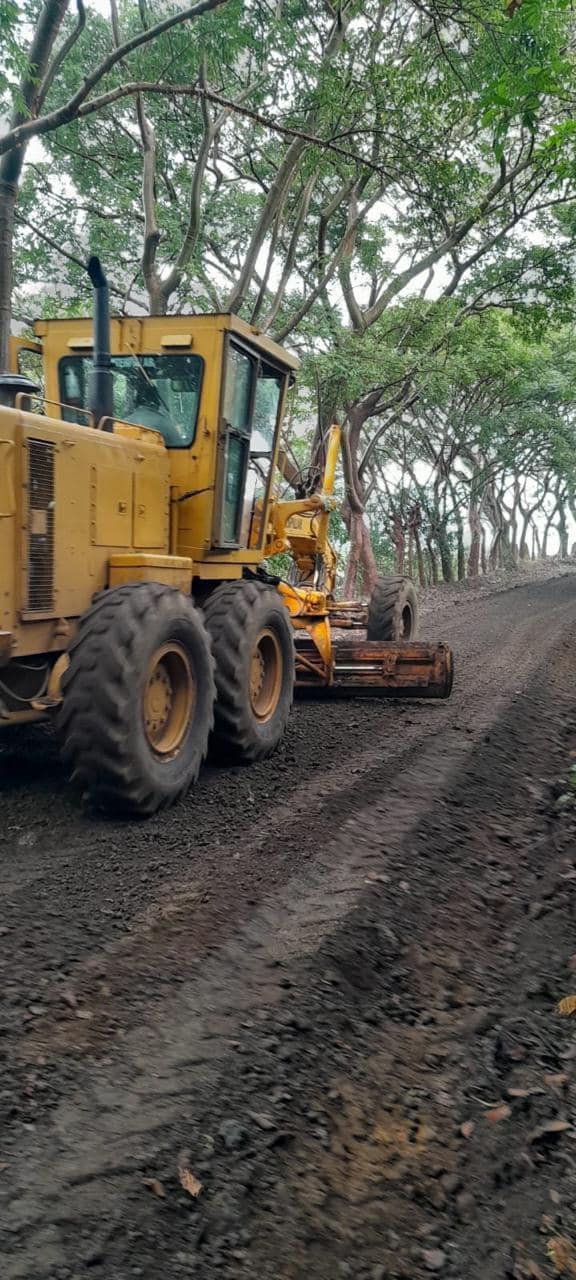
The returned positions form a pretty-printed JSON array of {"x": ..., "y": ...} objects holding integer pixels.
[
  {"x": 525, "y": 1093},
  {"x": 70, "y": 999},
  {"x": 467, "y": 1129},
  {"x": 84, "y": 1014},
  {"x": 562, "y": 1255},
  {"x": 154, "y": 1185},
  {"x": 4, "y": 1165},
  {"x": 555, "y": 1196},
  {"x": 263, "y": 1121},
  {"x": 189, "y": 1182},
  {"x": 496, "y": 1114},
  {"x": 549, "y": 1132},
  {"x": 561, "y": 1079},
  {"x": 567, "y": 1006}
]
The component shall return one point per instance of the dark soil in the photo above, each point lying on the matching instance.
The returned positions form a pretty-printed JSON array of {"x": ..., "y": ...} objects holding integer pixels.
[{"x": 324, "y": 987}]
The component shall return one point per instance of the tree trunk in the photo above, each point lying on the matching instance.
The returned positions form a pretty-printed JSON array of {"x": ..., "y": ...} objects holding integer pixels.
[
  {"x": 8, "y": 197},
  {"x": 546, "y": 535},
  {"x": 475, "y": 526},
  {"x": 433, "y": 562},
  {"x": 524, "y": 549},
  {"x": 420, "y": 559},
  {"x": 513, "y": 523},
  {"x": 361, "y": 560},
  {"x": 29, "y": 98},
  {"x": 445, "y": 555},
  {"x": 461, "y": 556},
  {"x": 355, "y": 533},
  {"x": 367, "y": 562},
  {"x": 507, "y": 553},
  {"x": 494, "y": 553},
  {"x": 361, "y": 554},
  {"x": 399, "y": 542},
  {"x": 157, "y": 300},
  {"x": 562, "y": 532},
  {"x": 483, "y": 560}
]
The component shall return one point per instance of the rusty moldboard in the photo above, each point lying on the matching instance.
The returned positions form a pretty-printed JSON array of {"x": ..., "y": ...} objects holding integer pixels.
[{"x": 409, "y": 670}]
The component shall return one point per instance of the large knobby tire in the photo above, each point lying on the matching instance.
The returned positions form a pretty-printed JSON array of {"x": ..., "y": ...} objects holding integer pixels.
[
  {"x": 392, "y": 611},
  {"x": 253, "y": 646},
  {"x": 138, "y": 698}
]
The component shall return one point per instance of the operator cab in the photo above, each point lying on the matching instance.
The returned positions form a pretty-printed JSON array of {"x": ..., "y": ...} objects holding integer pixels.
[
  {"x": 211, "y": 387},
  {"x": 163, "y": 392}
]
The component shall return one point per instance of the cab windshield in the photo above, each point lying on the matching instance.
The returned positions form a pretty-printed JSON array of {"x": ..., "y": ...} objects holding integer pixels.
[{"x": 161, "y": 392}]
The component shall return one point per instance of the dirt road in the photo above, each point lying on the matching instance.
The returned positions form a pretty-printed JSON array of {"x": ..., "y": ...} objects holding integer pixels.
[{"x": 324, "y": 987}]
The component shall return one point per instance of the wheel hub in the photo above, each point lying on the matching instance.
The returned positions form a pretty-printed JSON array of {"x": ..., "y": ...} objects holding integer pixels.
[
  {"x": 265, "y": 675},
  {"x": 159, "y": 700},
  {"x": 168, "y": 700}
]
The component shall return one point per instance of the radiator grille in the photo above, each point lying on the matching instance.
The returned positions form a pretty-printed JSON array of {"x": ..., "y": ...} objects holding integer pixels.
[{"x": 40, "y": 526}]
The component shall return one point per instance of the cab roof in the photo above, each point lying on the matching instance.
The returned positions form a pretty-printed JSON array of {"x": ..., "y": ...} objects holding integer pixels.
[{"x": 176, "y": 326}]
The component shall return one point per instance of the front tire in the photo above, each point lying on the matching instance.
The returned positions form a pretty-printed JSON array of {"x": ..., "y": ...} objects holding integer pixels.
[
  {"x": 253, "y": 645},
  {"x": 392, "y": 611},
  {"x": 138, "y": 698}
]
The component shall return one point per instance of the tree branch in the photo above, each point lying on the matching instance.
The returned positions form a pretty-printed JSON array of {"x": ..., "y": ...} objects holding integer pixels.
[
  {"x": 65, "y": 253},
  {"x": 291, "y": 254},
  {"x": 62, "y": 54},
  {"x": 71, "y": 109}
]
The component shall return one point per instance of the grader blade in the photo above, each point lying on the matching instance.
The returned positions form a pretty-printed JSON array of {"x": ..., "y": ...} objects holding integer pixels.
[
  {"x": 394, "y": 671},
  {"x": 407, "y": 670}
]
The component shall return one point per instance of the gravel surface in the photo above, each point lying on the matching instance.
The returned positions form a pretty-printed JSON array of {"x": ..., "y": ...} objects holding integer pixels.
[{"x": 324, "y": 988}]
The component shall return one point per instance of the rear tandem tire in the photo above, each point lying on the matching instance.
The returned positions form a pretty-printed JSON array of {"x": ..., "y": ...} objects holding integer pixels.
[
  {"x": 138, "y": 698},
  {"x": 392, "y": 611},
  {"x": 253, "y": 645}
]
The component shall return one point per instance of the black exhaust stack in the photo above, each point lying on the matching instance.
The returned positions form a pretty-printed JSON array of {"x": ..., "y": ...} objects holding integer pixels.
[{"x": 100, "y": 399}]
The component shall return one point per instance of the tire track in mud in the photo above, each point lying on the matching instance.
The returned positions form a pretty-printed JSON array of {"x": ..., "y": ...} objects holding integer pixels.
[
  {"x": 126, "y": 1110},
  {"x": 196, "y": 914}
]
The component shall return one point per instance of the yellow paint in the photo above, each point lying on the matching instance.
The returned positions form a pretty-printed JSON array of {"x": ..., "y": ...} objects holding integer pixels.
[
  {"x": 151, "y": 507},
  {"x": 173, "y": 571},
  {"x": 111, "y": 505},
  {"x": 173, "y": 340},
  {"x": 126, "y": 508},
  {"x": 7, "y": 491}
]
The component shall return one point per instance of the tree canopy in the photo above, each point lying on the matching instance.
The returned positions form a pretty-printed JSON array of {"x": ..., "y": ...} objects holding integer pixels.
[{"x": 385, "y": 185}]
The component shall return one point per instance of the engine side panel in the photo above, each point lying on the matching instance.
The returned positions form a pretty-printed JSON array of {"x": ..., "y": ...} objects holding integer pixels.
[{"x": 70, "y": 497}]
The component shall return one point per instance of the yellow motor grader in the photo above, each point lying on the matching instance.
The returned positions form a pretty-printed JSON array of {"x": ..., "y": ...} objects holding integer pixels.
[{"x": 139, "y": 511}]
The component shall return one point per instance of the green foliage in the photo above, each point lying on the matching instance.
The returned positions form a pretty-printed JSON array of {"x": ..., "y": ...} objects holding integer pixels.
[{"x": 425, "y": 254}]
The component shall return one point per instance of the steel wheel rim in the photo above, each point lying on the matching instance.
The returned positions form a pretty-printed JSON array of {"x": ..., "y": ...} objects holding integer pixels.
[
  {"x": 168, "y": 699},
  {"x": 265, "y": 675}
]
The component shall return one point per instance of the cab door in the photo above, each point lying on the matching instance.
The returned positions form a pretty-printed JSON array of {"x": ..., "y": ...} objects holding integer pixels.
[
  {"x": 251, "y": 401},
  {"x": 234, "y": 443}
]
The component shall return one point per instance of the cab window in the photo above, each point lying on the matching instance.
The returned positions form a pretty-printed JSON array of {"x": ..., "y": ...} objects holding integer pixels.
[{"x": 161, "y": 392}]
